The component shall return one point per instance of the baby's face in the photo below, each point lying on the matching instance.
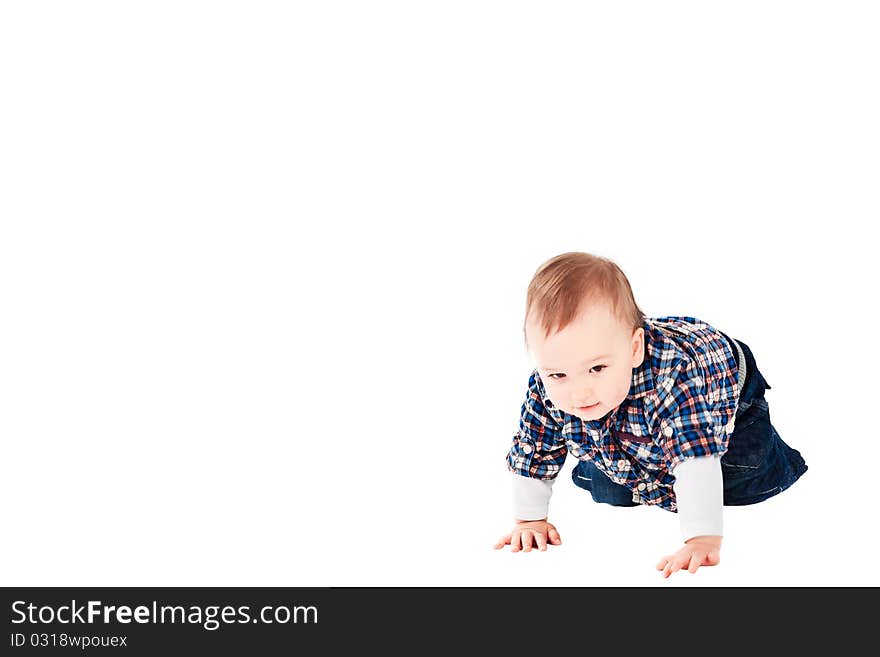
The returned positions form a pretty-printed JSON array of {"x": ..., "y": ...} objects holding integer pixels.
[{"x": 589, "y": 363}]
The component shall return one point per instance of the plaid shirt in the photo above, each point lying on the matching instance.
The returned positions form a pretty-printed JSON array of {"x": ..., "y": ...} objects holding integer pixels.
[{"x": 681, "y": 404}]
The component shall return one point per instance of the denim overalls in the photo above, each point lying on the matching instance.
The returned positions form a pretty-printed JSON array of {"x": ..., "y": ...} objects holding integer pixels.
[{"x": 756, "y": 465}]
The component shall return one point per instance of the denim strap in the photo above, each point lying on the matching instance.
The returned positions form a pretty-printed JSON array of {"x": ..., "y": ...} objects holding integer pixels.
[
  {"x": 741, "y": 363},
  {"x": 741, "y": 367}
]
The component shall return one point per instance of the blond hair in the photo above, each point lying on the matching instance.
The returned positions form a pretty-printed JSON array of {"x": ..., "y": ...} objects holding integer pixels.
[{"x": 563, "y": 285}]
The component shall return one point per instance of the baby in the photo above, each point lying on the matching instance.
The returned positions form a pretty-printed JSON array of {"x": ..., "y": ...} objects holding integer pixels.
[{"x": 665, "y": 411}]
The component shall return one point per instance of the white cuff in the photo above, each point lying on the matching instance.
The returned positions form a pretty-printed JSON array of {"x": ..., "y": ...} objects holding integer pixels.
[
  {"x": 699, "y": 495},
  {"x": 531, "y": 497}
]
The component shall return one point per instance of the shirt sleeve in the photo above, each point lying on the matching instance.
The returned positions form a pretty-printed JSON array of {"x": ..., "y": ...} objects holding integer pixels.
[
  {"x": 689, "y": 425},
  {"x": 699, "y": 495},
  {"x": 531, "y": 497},
  {"x": 538, "y": 450}
]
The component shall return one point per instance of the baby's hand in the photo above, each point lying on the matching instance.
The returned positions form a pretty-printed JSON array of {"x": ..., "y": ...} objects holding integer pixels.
[
  {"x": 529, "y": 532},
  {"x": 697, "y": 551}
]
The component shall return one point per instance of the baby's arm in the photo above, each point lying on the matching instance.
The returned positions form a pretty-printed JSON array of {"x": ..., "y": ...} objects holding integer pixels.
[
  {"x": 536, "y": 456},
  {"x": 699, "y": 494},
  {"x": 531, "y": 497},
  {"x": 531, "y": 500}
]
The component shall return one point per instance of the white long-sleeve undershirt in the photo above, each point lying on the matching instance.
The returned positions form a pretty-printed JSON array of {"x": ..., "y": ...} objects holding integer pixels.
[
  {"x": 698, "y": 487},
  {"x": 699, "y": 496}
]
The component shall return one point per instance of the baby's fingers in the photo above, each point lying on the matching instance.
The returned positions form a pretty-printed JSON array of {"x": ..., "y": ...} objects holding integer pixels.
[
  {"x": 674, "y": 565},
  {"x": 527, "y": 541},
  {"x": 504, "y": 540},
  {"x": 696, "y": 561},
  {"x": 541, "y": 540},
  {"x": 554, "y": 537},
  {"x": 515, "y": 538}
]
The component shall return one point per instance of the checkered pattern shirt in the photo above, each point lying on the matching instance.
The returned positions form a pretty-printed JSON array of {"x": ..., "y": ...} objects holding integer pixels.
[{"x": 681, "y": 404}]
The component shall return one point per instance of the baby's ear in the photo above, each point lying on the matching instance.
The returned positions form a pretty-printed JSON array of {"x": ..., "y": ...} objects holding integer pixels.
[{"x": 638, "y": 345}]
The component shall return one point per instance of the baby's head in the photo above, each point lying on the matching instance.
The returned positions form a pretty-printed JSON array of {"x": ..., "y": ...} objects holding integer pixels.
[{"x": 584, "y": 331}]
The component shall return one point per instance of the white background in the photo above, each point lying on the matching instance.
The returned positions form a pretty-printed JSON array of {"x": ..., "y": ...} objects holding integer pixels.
[{"x": 263, "y": 269}]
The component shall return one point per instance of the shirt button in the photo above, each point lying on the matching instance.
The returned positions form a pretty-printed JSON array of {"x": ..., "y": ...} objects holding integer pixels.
[
  {"x": 667, "y": 431},
  {"x": 527, "y": 449},
  {"x": 643, "y": 486}
]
